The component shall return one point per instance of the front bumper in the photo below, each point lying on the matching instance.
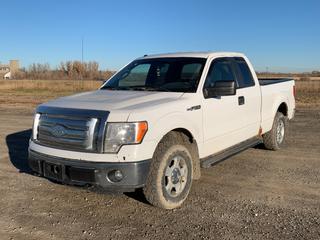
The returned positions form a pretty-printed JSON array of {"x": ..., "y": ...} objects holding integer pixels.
[{"x": 85, "y": 172}]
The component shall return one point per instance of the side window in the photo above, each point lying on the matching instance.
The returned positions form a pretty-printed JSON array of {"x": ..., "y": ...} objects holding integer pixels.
[
  {"x": 136, "y": 77},
  {"x": 245, "y": 78},
  {"x": 220, "y": 70}
]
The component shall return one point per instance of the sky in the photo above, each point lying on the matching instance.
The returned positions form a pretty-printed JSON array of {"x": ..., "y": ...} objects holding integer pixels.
[{"x": 278, "y": 35}]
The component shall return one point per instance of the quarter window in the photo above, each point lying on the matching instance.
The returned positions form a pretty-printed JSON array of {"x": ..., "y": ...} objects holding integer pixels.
[{"x": 245, "y": 78}]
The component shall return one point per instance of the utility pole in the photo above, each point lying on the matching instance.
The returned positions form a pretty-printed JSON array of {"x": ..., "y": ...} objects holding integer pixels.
[
  {"x": 81, "y": 77},
  {"x": 82, "y": 50}
]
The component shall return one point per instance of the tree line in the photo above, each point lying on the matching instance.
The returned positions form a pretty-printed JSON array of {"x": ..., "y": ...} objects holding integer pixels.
[{"x": 69, "y": 70}]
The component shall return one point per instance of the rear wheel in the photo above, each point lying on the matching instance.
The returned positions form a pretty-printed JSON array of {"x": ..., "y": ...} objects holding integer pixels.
[
  {"x": 276, "y": 137},
  {"x": 170, "y": 177}
]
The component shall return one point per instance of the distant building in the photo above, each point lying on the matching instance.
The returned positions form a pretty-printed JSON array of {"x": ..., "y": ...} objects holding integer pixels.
[{"x": 7, "y": 71}]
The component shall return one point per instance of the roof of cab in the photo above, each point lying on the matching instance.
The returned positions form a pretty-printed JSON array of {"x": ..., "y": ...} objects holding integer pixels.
[{"x": 193, "y": 54}]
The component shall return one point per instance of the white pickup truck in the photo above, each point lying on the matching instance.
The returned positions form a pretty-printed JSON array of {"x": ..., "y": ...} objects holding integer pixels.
[{"x": 157, "y": 121}]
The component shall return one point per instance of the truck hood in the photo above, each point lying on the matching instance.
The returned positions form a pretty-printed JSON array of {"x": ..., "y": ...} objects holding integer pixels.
[{"x": 109, "y": 100}]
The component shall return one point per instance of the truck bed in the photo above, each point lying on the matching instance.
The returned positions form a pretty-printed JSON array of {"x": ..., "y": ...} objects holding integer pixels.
[
  {"x": 267, "y": 81},
  {"x": 274, "y": 91}
]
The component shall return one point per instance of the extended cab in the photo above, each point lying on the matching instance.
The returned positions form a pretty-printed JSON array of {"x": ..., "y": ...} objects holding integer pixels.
[{"x": 157, "y": 121}]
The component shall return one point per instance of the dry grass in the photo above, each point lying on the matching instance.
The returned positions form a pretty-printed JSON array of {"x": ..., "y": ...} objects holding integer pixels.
[
  {"x": 53, "y": 85},
  {"x": 308, "y": 92},
  {"x": 27, "y": 94}
]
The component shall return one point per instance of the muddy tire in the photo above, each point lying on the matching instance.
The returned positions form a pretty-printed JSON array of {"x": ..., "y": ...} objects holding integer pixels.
[
  {"x": 276, "y": 137},
  {"x": 170, "y": 176}
]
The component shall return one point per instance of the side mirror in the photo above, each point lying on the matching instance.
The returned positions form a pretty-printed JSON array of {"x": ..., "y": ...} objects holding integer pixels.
[{"x": 220, "y": 88}]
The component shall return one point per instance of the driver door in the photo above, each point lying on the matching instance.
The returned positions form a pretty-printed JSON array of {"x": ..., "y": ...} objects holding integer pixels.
[{"x": 222, "y": 121}]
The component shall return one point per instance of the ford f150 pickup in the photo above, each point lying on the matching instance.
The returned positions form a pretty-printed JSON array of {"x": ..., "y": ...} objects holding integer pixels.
[{"x": 157, "y": 121}]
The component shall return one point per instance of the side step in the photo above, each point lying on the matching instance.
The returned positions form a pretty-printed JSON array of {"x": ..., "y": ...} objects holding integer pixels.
[{"x": 209, "y": 161}]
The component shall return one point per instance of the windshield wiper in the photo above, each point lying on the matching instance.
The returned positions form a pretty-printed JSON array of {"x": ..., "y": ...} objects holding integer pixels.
[
  {"x": 139, "y": 88},
  {"x": 159, "y": 88},
  {"x": 108, "y": 87},
  {"x": 114, "y": 88}
]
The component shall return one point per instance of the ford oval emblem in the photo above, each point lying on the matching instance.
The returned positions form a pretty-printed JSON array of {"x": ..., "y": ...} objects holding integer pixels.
[{"x": 58, "y": 131}]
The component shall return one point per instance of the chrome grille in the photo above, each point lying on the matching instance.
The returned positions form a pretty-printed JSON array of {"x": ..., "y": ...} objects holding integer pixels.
[{"x": 67, "y": 132}]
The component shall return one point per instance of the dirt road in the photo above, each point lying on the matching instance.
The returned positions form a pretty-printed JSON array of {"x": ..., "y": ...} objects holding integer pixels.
[{"x": 257, "y": 194}]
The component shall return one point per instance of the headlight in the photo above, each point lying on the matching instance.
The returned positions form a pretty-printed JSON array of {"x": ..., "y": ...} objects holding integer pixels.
[
  {"x": 119, "y": 134},
  {"x": 35, "y": 126}
]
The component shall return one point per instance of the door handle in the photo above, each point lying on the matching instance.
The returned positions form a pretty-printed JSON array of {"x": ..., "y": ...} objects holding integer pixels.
[{"x": 241, "y": 100}]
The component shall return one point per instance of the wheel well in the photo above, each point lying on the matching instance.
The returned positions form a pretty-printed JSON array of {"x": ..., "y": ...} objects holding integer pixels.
[
  {"x": 186, "y": 137},
  {"x": 283, "y": 108},
  {"x": 186, "y": 133}
]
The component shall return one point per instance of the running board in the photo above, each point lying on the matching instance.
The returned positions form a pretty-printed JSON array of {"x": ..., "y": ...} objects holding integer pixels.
[{"x": 215, "y": 158}]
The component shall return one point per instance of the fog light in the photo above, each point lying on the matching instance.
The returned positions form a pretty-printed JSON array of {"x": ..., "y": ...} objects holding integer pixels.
[
  {"x": 118, "y": 175},
  {"x": 115, "y": 176}
]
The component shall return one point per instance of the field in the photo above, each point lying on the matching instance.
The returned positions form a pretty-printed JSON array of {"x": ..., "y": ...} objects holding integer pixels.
[
  {"x": 257, "y": 194},
  {"x": 308, "y": 92},
  {"x": 29, "y": 93}
]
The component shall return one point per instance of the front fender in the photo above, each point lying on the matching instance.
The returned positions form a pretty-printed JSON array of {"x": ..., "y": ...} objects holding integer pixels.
[{"x": 190, "y": 121}]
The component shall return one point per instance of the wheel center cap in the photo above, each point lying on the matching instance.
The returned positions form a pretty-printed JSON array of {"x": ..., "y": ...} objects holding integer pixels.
[{"x": 175, "y": 176}]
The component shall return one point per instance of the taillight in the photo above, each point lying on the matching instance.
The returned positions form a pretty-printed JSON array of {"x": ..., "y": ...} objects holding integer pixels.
[{"x": 294, "y": 91}]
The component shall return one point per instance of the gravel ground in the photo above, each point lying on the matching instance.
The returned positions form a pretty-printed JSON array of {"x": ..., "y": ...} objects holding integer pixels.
[{"x": 257, "y": 194}]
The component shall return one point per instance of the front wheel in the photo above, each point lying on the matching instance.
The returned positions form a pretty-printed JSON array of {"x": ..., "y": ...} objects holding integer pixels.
[
  {"x": 170, "y": 177},
  {"x": 276, "y": 137}
]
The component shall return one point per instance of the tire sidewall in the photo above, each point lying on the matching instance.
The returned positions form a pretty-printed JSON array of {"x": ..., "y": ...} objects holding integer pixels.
[
  {"x": 166, "y": 200},
  {"x": 280, "y": 117},
  {"x": 187, "y": 157}
]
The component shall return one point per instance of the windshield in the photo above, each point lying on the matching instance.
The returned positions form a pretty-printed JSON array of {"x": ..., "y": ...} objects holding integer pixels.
[{"x": 159, "y": 74}]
